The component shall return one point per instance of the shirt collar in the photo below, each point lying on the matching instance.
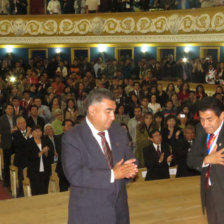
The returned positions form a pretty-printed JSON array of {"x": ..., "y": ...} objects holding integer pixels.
[{"x": 218, "y": 130}]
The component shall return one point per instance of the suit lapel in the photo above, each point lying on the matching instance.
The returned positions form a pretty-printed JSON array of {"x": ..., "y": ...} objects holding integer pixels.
[
  {"x": 92, "y": 145},
  {"x": 220, "y": 139}
]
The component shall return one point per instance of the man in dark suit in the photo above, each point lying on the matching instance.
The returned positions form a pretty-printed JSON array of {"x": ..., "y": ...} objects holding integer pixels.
[
  {"x": 63, "y": 182},
  {"x": 34, "y": 119},
  {"x": 157, "y": 157},
  {"x": 180, "y": 149},
  {"x": 18, "y": 146},
  {"x": 206, "y": 155},
  {"x": 7, "y": 127},
  {"x": 97, "y": 161}
]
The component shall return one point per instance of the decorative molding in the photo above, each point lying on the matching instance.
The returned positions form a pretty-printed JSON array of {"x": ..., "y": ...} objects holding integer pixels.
[
  {"x": 174, "y": 22},
  {"x": 186, "y": 38}
]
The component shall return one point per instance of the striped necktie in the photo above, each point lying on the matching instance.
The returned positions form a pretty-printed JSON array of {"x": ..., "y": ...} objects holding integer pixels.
[
  {"x": 209, "y": 144},
  {"x": 106, "y": 149}
]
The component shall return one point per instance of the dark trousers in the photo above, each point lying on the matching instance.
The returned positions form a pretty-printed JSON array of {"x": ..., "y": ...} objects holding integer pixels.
[
  {"x": 6, "y": 174},
  {"x": 20, "y": 180},
  {"x": 63, "y": 182},
  {"x": 39, "y": 183},
  {"x": 214, "y": 207}
]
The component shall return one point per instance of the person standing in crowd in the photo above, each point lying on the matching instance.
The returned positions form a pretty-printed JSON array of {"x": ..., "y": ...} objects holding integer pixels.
[
  {"x": 180, "y": 149},
  {"x": 7, "y": 128},
  {"x": 54, "y": 7},
  {"x": 67, "y": 7},
  {"x": 142, "y": 137},
  {"x": 157, "y": 157},
  {"x": 63, "y": 182},
  {"x": 4, "y": 7},
  {"x": 92, "y": 6},
  {"x": 39, "y": 155},
  {"x": 132, "y": 124},
  {"x": 43, "y": 110},
  {"x": 98, "y": 169},
  {"x": 34, "y": 119},
  {"x": 49, "y": 134},
  {"x": 20, "y": 138},
  {"x": 206, "y": 156},
  {"x": 57, "y": 122},
  {"x": 19, "y": 7}
]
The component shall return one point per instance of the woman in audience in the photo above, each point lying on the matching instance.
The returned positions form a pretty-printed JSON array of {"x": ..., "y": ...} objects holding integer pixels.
[
  {"x": 142, "y": 137},
  {"x": 184, "y": 92},
  {"x": 121, "y": 116},
  {"x": 70, "y": 112},
  {"x": 154, "y": 105},
  {"x": 162, "y": 97},
  {"x": 55, "y": 104},
  {"x": 198, "y": 74},
  {"x": 171, "y": 131},
  {"x": 40, "y": 155},
  {"x": 200, "y": 92},
  {"x": 158, "y": 121},
  {"x": 176, "y": 102},
  {"x": 57, "y": 122},
  {"x": 170, "y": 90}
]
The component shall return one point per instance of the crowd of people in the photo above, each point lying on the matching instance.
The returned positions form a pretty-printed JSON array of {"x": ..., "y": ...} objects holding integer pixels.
[
  {"x": 19, "y": 7},
  {"x": 42, "y": 100}
]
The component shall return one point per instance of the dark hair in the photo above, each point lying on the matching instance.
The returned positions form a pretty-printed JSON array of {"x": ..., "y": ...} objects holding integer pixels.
[
  {"x": 33, "y": 105},
  {"x": 141, "y": 126},
  {"x": 15, "y": 98},
  {"x": 9, "y": 104},
  {"x": 35, "y": 127},
  {"x": 211, "y": 103},
  {"x": 67, "y": 120},
  {"x": 170, "y": 116},
  {"x": 153, "y": 131},
  {"x": 97, "y": 95}
]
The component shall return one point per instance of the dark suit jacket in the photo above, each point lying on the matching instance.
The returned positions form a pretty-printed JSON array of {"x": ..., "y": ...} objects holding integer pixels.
[
  {"x": 195, "y": 160},
  {"x": 180, "y": 150},
  {"x": 156, "y": 170},
  {"x": 19, "y": 148},
  {"x": 5, "y": 131},
  {"x": 34, "y": 160},
  {"x": 40, "y": 122},
  {"x": 93, "y": 198}
]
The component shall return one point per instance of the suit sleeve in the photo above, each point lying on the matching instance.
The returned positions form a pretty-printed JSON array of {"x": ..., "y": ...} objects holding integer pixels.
[{"x": 196, "y": 154}]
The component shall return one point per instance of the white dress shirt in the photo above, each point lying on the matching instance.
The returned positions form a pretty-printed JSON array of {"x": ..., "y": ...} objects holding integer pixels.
[{"x": 99, "y": 140}]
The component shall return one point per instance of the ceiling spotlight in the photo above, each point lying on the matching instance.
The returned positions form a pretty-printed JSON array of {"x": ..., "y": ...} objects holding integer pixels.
[
  {"x": 58, "y": 50},
  {"x": 102, "y": 47},
  {"x": 144, "y": 49},
  {"x": 185, "y": 60},
  {"x": 9, "y": 48},
  {"x": 186, "y": 49}
]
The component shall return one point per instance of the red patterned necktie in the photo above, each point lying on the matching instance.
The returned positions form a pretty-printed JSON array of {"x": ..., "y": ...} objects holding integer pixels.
[
  {"x": 106, "y": 149},
  {"x": 210, "y": 140}
]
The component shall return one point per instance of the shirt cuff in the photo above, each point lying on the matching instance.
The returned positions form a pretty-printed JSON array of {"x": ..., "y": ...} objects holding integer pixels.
[
  {"x": 112, "y": 176},
  {"x": 203, "y": 165}
]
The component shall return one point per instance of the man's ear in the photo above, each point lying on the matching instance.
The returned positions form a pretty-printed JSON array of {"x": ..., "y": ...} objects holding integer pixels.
[
  {"x": 91, "y": 110},
  {"x": 222, "y": 115}
]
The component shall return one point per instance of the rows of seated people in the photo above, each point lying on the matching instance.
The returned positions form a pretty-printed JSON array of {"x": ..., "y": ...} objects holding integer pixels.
[
  {"x": 19, "y": 7},
  {"x": 46, "y": 100}
]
